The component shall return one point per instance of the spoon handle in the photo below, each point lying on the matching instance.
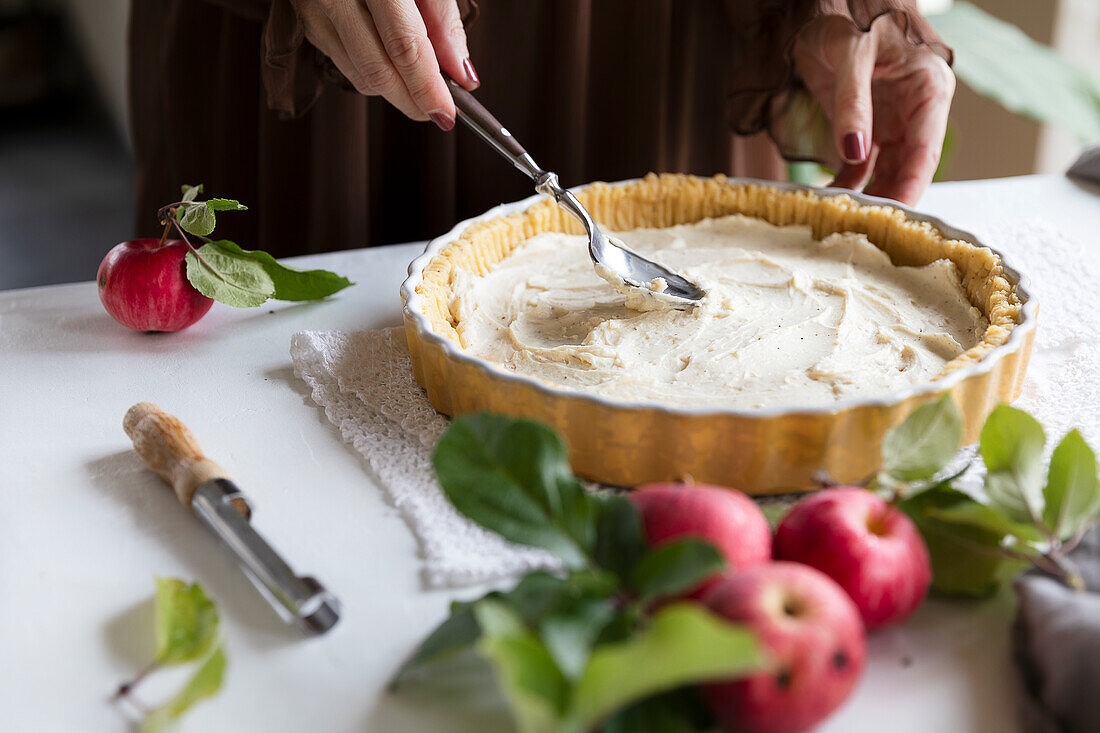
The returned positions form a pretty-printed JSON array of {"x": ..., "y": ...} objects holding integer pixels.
[{"x": 474, "y": 115}]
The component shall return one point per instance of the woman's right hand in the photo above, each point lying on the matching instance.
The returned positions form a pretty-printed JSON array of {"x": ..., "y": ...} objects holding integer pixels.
[{"x": 395, "y": 49}]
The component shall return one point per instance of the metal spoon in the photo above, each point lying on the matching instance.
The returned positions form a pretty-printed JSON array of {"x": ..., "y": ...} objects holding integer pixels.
[{"x": 613, "y": 261}]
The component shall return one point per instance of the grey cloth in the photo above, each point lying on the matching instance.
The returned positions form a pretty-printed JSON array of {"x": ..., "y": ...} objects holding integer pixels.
[
  {"x": 1087, "y": 166},
  {"x": 1056, "y": 646}
]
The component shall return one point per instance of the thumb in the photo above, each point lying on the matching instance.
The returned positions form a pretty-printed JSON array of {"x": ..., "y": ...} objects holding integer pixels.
[
  {"x": 852, "y": 109},
  {"x": 448, "y": 37}
]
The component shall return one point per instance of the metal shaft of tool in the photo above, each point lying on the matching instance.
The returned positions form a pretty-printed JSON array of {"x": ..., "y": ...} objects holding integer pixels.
[
  {"x": 301, "y": 600},
  {"x": 615, "y": 262}
]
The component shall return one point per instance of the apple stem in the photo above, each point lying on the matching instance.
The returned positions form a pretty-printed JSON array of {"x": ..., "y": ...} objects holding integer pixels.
[
  {"x": 168, "y": 210},
  {"x": 195, "y": 251},
  {"x": 164, "y": 235},
  {"x": 124, "y": 690},
  {"x": 1066, "y": 571}
]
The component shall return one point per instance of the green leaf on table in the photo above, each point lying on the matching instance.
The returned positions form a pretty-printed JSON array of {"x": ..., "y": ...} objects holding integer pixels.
[
  {"x": 186, "y": 622},
  {"x": 674, "y": 568},
  {"x": 196, "y": 218},
  {"x": 1072, "y": 492},
  {"x": 981, "y": 516},
  {"x": 289, "y": 283},
  {"x": 1012, "y": 449},
  {"x": 925, "y": 442},
  {"x": 571, "y": 629},
  {"x": 206, "y": 682},
  {"x": 225, "y": 205},
  {"x": 533, "y": 598},
  {"x": 967, "y": 559},
  {"x": 458, "y": 631},
  {"x": 620, "y": 537},
  {"x": 999, "y": 61},
  {"x": 220, "y": 273},
  {"x": 535, "y": 688},
  {"x": 190, "y": 192},
  {"x": 679, "y": 711},
  {"x": 513, "y": 478},
  {"x": 683, "y": 644}
]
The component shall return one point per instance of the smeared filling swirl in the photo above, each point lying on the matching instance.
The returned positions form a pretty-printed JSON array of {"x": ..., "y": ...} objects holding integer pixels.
[{"x": 787, "y": 320}]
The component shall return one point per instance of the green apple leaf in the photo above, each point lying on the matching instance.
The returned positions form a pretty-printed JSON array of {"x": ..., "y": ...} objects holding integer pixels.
[
  {"x": 225, "y": 205},
  {"x": 925, "y": 442},
  {"x": 967, "y": 559},
  {"x": 683, "y": 644},
  {"x": 206, "y": 682},
  {"x": 999, "y": 61},
  {"x": 1072, "y": 492},
  {"x": 534, "y": 598},
  {"x": 222, "y": 274},
  {"x": 196, "y": 218},
  {"x": 513, "y": 478},
  {"x": 536, "y": 690},
  {"x": 679, "y": 711},
  {"x": 186, "y": 622},
  {"x": 571, "y": 629},
  {"x": 288, "y": 282},
  {"x": 981, "y": 516},
  {"x": 1012, "y": 448},
  {"x": 620, "y": 537},
  {"x": 190, "y": 192},
  {"x": 459, "y": 631},
  {"x": 674, "y": 568}
]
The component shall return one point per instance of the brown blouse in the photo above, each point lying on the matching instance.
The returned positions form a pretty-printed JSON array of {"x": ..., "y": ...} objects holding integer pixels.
[{"x": 230, "y": 94}]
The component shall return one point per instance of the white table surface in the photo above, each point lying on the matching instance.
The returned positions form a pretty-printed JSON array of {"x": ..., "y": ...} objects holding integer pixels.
[{"x": 84, "y": 528}]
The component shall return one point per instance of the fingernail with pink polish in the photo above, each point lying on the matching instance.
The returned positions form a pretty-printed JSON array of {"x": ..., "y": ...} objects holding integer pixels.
[
  {"x": 442, "y": 120},
  {"x": 855, "y": 149},
  {"x": 471, "y": 75}
]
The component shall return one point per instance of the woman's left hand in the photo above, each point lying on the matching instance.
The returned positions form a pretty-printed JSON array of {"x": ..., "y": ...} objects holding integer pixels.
[{"x": 886, "y": 97}]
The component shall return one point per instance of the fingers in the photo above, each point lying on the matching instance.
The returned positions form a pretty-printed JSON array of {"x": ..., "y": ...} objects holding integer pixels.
[
  {"x": 903, "y": 171},
  {"x": 345, "y": 33},
  {"x": 852, "y": 110},
  {"x": 404, "y": 38},
  {"x": 854, "y": 175},
  {"x": 448, "y": 37}
]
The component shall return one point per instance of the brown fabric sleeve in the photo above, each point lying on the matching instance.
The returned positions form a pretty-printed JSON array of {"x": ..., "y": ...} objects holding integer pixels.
[
  {"x": 293, "y": 70},
  {"x": 764, "y": 86}
]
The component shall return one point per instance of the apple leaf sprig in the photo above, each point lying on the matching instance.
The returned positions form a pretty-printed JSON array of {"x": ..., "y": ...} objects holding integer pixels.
[
  {"x": 223, "y": 271},
  {"x": 599, "y": 645},
  {"x": 186, "y": 632},
  {"x": 1022, "y": 515}
]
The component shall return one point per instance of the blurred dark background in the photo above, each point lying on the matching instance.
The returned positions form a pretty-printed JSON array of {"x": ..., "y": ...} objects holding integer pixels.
[{"x": 66, "y": 185}]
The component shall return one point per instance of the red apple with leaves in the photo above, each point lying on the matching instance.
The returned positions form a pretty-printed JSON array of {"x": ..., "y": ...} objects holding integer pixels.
[
  {"x": 870, "y": 548},
  {"x": 813, "y": 636},
  {"x": 143, "y": 285},
  {"x": 726, "y": 518},
  {"x": 168, "y": 284}
]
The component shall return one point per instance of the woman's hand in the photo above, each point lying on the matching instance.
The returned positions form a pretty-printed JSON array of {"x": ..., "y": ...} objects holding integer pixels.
[
  {"x": 395, "y": 49},
  {"x": 887, "y": 99}
]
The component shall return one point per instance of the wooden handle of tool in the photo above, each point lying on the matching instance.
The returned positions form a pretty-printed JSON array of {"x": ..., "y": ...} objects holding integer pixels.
[{"x": 171, "y": 451}]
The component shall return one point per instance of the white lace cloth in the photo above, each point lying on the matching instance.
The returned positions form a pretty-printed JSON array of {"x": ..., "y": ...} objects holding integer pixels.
[{"x": 364, "y": 382}]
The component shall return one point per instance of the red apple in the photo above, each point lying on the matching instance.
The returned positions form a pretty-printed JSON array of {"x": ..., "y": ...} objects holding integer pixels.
[
  {"x": 724, "y": 517},
  {"x": 812, "y": 635},
  {"x": 872, "y": 550},
  {"x": 144, "y": 286}
]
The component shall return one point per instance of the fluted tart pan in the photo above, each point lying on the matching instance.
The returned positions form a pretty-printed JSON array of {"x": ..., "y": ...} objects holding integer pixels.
[{"x": 760, "y": 451}]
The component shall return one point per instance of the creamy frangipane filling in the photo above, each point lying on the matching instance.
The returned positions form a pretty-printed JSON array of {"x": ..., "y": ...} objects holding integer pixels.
[{"x": 787, "y": 320}]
